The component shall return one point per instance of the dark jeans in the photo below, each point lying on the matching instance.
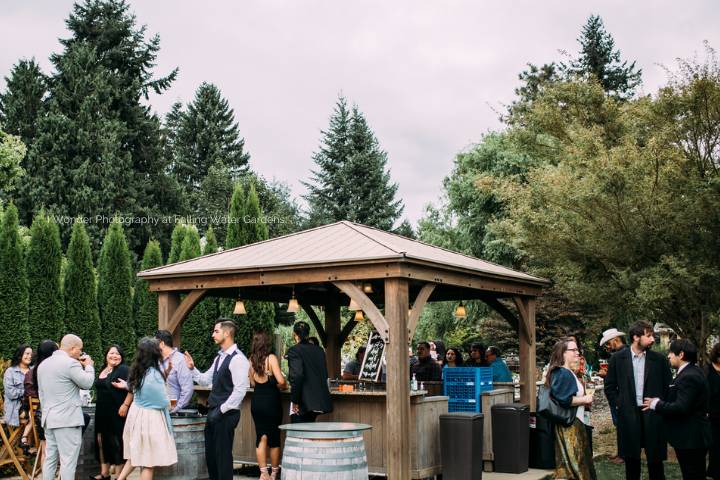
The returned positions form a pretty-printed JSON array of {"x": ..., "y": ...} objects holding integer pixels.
[
  {"x": 713, "y": 470},
  {"x": 307, "y": 417},
  {"x": 692, "y": 463},
  {"x": 219, "y": 437}
]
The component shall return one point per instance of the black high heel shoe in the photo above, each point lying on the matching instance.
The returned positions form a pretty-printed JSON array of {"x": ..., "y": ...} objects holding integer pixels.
[{"x": 94, "y": 477}]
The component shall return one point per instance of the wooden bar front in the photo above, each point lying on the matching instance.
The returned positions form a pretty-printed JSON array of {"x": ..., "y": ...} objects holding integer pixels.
[{"x": 370, "y": 408}]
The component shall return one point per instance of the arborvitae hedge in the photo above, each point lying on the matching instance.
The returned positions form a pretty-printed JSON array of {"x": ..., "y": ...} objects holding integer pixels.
[
  {"x": 81, "y": 309},
  {"x": 178, "y": 235},
  {"x": 45, "y": 301},
  {"x": 115, "y": 290},
  {"x": 146, "y": 302},
  {"x": 13, "y": 285}
]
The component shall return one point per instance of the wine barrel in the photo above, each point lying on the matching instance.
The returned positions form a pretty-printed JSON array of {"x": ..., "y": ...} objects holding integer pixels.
[
  {"x": 326, "y": 450},
  {"x": 189, "y": 433}
]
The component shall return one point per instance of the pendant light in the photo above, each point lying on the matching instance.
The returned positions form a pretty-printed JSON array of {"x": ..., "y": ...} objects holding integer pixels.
[
  {"x": 460, "y": 311},
  {"x": 359, "y": 317},
  {"x": 367, "y": 287},
  {"x": 293, "y": 305},
  {"x": 239, "y": 307}
]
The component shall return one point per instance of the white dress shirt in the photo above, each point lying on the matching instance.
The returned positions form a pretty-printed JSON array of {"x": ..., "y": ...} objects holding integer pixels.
[
  {"x": 239, "y": 368},
  {"x": 638, "y": 361}
]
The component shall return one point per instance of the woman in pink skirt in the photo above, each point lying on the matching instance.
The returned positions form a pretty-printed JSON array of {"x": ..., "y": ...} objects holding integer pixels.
[{"x": 148, "y": 438}]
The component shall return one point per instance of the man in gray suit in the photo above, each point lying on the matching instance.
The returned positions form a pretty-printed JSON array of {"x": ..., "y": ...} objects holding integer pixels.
[{"x": 60, "y": 379}]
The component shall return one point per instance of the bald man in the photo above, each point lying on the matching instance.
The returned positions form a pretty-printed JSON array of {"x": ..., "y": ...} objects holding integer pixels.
[{"x": 60, "y": 379}]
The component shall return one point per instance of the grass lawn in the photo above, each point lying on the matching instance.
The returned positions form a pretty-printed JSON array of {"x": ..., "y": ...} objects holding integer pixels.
[{"x": 606, "y": 470}]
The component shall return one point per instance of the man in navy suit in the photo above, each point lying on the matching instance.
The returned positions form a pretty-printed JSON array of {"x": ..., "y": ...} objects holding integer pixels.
[{"x": 684, "y": 411}]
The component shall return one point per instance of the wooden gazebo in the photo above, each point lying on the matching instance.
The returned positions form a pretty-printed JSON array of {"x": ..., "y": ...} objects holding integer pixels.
[{"x": 326, "y": 267}]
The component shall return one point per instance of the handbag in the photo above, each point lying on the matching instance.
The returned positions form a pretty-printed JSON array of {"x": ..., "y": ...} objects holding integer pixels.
[{"x": 549, "y": 408}]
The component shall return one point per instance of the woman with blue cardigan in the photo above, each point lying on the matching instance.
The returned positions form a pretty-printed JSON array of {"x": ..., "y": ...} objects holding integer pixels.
[
  {"x": 13, "y": 383},
  {"x": 148, "y": 438},
  {"x": 573, "y": 454}
]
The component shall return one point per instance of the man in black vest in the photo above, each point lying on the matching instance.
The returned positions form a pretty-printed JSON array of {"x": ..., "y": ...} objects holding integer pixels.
[
  {"x": 635, "y": 373},
  {"x": 308, "y": 377},
  {"x": 685, "y": 410},
  {"x": 228, "y": 375}
]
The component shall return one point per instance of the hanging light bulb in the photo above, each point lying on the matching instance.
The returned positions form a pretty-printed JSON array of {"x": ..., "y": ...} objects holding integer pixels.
[
  {"x": 359, "y": 317},
  {"x": 293, "y": 305},
  {"x": 409, "y": 312},
  {"x": 460, "y": 311},
  {"x": 239, "y": 307},
  {"x": 353, "y": 305},
  {"x": 367, "y": 287}
]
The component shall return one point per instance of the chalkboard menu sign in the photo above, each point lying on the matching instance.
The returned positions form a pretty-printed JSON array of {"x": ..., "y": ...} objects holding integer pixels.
[{"x": 372, "y": 362}]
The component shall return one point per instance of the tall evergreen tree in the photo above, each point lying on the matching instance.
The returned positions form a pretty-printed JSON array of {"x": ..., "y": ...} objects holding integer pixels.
[
  {"x": 235, "y": 231},
  {"x": 13, "y": 285},
  {"x": 190, "y": 245},
  {"x": 207, "y": 135},
  {"x": 145, "y": 301},
  {"x": 12, "y": 153},
  {"x": 44, "y": 260},
  {"x": 82, "y": 316},
  {"x": 178, "y": 235},
  {"x": 598, "y": 57},
  {"x": 255, "y": 226},
  {"x": 351, "y": 182},
  {"x": 99, "y": 146},
  {"x": 22, "y": 101},
  {"x": 115, "y": 290},
  {"x": 199, "y": 324}
]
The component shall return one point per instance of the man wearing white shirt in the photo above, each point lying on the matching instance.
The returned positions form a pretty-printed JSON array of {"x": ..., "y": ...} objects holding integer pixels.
[{"x": 228, "y": 376}]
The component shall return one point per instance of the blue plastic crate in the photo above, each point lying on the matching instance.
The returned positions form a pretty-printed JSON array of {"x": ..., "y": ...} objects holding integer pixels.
[
  {"x": 467, "y": 405},
  {"x": 466, "y": 383}
]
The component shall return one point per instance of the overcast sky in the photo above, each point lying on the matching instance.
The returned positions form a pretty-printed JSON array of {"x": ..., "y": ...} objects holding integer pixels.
[{"x": 430, "y": 76}]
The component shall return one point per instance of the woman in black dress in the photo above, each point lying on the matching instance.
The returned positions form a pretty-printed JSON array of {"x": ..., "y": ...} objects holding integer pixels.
[
  {"x": 109, "y": 424},
  {"x": 267, "y": 380}
]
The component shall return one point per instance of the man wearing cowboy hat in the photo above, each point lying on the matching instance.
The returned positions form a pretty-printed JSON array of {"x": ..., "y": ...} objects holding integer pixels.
[{"x": 612, "y": 342}]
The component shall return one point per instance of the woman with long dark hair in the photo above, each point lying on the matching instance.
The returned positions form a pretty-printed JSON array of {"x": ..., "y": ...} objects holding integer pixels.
[
  {"x": 13, "y": 382},
  {"x": 44, "y": 351},
  {"x": 573, "y": 454},
  {"x": 453, "y": 358},
  {"x": 109, "y": 424},
  {"x": 147, "y": 438},
  {"x": 265, "y": 406}
]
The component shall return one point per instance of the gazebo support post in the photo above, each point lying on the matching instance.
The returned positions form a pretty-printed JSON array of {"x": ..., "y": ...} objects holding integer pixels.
[
  {"x": 168, "y": 303},
  {"x": 398, "y": 383},
  {"x": 332, "y": 344},
  {"x": 526, "y": 309}
]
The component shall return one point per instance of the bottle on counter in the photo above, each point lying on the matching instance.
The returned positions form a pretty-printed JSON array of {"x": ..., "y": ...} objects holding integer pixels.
[{"x": 414, "y": 384}]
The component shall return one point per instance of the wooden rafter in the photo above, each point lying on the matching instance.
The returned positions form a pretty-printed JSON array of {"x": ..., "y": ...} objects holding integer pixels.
[
  {"x": 315, "y": 321},
  {"x": 185, "y": 308},
  {"x": 417, "y": 308},
  {"x": 367, "y": 306},
  {"x": 348, "y": 328}
]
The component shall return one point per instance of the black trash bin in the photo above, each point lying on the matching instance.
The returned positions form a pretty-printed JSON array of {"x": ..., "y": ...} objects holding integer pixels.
[
  {"x": 461, "y": 445},
  {"x": 511, "y": 437},
  {"x": 542, "y": 443}
]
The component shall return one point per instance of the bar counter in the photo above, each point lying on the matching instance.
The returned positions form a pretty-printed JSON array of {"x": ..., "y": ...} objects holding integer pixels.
[{"x": 363, "y": 407}]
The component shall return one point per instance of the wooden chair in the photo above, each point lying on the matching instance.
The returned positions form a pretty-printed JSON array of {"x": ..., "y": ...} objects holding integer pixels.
[
  {"x": 37, "y": 464},
  {"x": 8, "y": 452}
]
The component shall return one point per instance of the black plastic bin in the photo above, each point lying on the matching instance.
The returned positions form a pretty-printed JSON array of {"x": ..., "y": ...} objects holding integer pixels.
[
  {"x": 511, "y": 437},
  {"x": 461, "y": 445},
  {"x": 542, "y": 443}
]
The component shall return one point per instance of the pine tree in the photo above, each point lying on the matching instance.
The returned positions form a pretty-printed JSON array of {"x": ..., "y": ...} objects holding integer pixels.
[
  {"x": 115, "y": 290},
  {"x": 145, "y": 301},
  {"x": 255, "y": 226},
  {"x": 82, "y": 316},
  {"x": 97, "y": 151},
  {"x": 13, "y": 285},
  {"x": 599, "y": 58},
  {"x": 235, "y": 231},
  {"x": 45, "y": 300},
  {"x": 207, "y": 135},
  {"x": 214, "y": 196},
  {"x": 197, "y": 329},
  {"x": 22, "y": 101},
  {"x": 178, "y": 235},
  {"x": 351, "y": 182}
]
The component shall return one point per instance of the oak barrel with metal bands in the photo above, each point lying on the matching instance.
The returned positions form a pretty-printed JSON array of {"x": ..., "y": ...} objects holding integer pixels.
[{"x": 189, "y": 433}]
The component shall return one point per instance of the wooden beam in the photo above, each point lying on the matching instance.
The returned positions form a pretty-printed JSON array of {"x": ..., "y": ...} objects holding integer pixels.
[
  {"x": 367, "y": 306},
  {"x": 167, "y": 305},
  {"x": 333, "y": 346},
  {"x": 398, "y": 375},
  {"x": 184, "y": 309},
  {"x": 315, "y": 321},
  {"x": 504, "y": 312},
  {"x": 528, "y": 365},
  {"x": 417, "y": 308},
  {"x": 347, "y": 329}
]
